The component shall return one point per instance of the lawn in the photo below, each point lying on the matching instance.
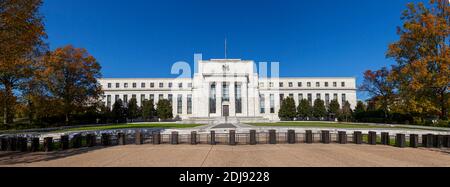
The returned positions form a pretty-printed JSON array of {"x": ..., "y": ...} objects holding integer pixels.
[
  {"x": 130, "y": 126},
  {"x": 321, "y": 124}
]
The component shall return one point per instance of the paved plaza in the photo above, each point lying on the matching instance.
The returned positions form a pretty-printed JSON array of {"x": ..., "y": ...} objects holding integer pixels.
[{"x": 280, "y": 155}]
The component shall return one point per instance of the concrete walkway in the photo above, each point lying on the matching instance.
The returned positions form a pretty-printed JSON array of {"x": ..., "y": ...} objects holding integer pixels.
[{"x": 280, "y": 155}]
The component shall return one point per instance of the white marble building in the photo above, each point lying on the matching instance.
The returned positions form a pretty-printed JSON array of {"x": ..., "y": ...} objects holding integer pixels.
[{"x": 228, "y": 87}]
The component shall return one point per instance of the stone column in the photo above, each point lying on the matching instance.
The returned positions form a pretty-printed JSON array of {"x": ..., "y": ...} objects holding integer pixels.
[
  {"x": 219, "y": 98},
  {"x": 372, "y": 138},
  {"x": 253, "y": 137},
  {"x": 413, "y": 140},
  {"x": 64, "y": 142},
  {"x": 232, "y": 108}
]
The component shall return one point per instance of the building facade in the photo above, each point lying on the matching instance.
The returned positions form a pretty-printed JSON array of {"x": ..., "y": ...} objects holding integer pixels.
[{"x": 228, "y": 87}]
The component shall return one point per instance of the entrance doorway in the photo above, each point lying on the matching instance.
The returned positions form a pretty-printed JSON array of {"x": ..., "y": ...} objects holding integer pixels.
[{"x": 226, "y": 110}]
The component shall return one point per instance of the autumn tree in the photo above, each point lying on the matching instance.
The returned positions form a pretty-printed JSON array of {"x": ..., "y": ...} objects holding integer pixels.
[
  {"x": 71, "y": 75},
  {"x": 346, "y": 111},
  {"x": 21, "y": 41},
  {"x": 423, "y": 58},
  {"x": 379, "y": 87}
]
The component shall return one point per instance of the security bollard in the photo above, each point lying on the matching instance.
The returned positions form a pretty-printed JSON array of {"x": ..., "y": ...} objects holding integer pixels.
[
  {"x": 139, "y": 140},
  {"x": 22, "y": 144},
  {"x": 438, "y": 141},
  {"x": 12, "y": 144},
  {"x": 309, "y": 136},
  {"x": 400, "y": 140},
  {"x": 76, "y": 141},
  {"x": 427, "y": 140},
  {"x": 342, "y": 137},
  {"x": 325, "y": 137},
  {"x": 48, "y": 144},
  {"x": 253, "y": 137},
  {"x": 64, "y": 142},
  {"x": 372, "y": 138},
  {"x": 272, "y": 137},
  {"x": 447, "y": 141},
  {"x": 156, "y": 138},
  {"x": 385, "y": 139},
  {"x": 193, "y": 138},
  {"x": 106, "y": 139},
  {"x": 122, "y": 138},
  {"x": 34, "y": 144},
  {"x": 357, "y": 137},
  {"x": 232, "y": 136},
  {"x": 91, "y": 140},
  {"x": 291, "y": 136},
  {"x": 4, "y": 144},
  {"x": 413, "y": 140},
  {"x": 174, "y": 138},
  {"x": 213, "y": 138}
]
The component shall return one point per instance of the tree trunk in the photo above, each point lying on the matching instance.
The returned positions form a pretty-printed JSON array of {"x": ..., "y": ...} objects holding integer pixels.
[
  {"x": 443, "y": 106},
  {"x": 7, "y": 104},
  {"x": 67, "y": 118}
]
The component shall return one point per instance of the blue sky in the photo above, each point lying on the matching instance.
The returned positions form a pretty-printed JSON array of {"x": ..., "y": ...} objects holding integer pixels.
[{"x": 143, "y": 38}]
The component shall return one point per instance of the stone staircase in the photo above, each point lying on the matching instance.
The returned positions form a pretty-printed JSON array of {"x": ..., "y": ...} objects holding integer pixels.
[{"x": 221, "y": 120}]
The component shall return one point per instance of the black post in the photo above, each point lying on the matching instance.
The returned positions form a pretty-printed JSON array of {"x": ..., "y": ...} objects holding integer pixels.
[
  {"x": 357, "y": 137},
  {"x": 232, "y": 136},
  {"x": 91, "y": 140},
  {"x": 156, "y": 137},
  {"x": 34, "y": 144},
  {"x": 193, "y": 138},
  {"x": 427, "y": 140},
  {"x": 400, "y": 140},
  {"x": 213, "y": 138},
  {"x": 12, "y": 143},
  {"x": 272, "y": 137},
  {"x": 76, "y": 141},
  {"x": 22, "y": 144},
  {"x": 253, "y": 137},
  {"x": 139, "y": 140},
  {"x": 64, "y": 142},
  {"x": 309, "y": 136},
  {"x": 106, "y": 139},
  {"x": 414, "y": 140},
  {"x": 174, "y": 138},
  {"x": 4, "y": 146},
  {"x": 48, "y": 144},
  {"x": 325, "y": 137},
  {"x": 447, "y": 141},
  {"x": 372, "y": 138},
  {"x": 385, "y": 139},
  {"x": 291, "y": 136},
  {"x": 122, "y": 138},
  {"x": 342, "y": 137},
  {"x": 438, "y": 141}
]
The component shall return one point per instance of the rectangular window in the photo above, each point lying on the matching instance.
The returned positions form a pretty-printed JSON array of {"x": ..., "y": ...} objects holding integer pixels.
[
  {"x": 170, "y": 85},
  {"x": 310, "y": 98},
  {"x": 291, "y": 96},
  {"x": 117, "y": 85},
  {"x": 334, "y": 84},
  {"x": 108, "y": 101},
  {"x": 161, "y": 97},
  {"x": 318, "y": 96},
  {"x": 272, "y": 103},
  {"x": 225, "y": 92},
  {"x": 299, "y": 84},
  {"x": 343, "y": 99},
  {"x": 142, "y": 85},
  {"x": 180, "y": 104},
  {"x": 109, "y": 85},
  {"x": 125, "y": 85},
  {"x": 189, "y": 85},
  {"x": 300, "y": 97},
  {"x": 281, "y": 85},
  {"x": 308, "y": 84},
  {"x": 125, "y": 100},
  {"x": 134, "y": 85},
  {"x": 170, "y": 98},
  {"x": 261, "y": 84},
  {"x": 262, "y": 108},
  {"x": 335, "y": 97},
  {"x": 326, "y": 84},
  {"x": 152, "y": 85},
  {"x": 142, "y": 98},
  {"x": 317, "y": 84},
  {"x": 238, "y": 98},
  {"x": 189, "y": 104},
  {"x": 327, "y": 99},
  {"x": 271, "y": 84},
  {"x": 133, "y": 96},
  {"x": 342, "y": 84},
  {"x": 212, "y": 98},
  {"x": 291, "y": 84},
  {"x": 152, "y": 98},
  {"x": 180, "y": 85},
  {"x": 281, "y": 98},
  {"x": 161, "y": 85},
  {"x": 116, "y": 98}
]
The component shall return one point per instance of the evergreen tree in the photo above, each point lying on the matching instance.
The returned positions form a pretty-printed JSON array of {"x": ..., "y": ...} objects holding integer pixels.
[
  {"x": 133, "y": 109},
  {"x": 304, "y": 109},
  {"x": 333, "y": 109},
  {"x": 164, "y": 109},
  {"x": 319, "y": 110},
  {"x": 118, "y": 112},
  {"x": 148, "y": 110},
  {"x": 346, "y": 112},
  {"x": 287, "y": 110}
]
